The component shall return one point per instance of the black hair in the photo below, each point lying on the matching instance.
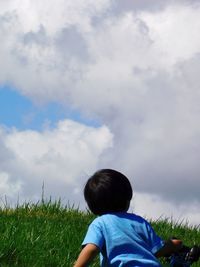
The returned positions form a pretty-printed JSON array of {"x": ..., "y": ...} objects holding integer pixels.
[{"x": 107, "y": 191}]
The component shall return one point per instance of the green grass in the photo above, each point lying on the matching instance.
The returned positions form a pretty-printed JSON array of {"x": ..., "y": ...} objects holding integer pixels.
[{"x": 47, "y": 234}]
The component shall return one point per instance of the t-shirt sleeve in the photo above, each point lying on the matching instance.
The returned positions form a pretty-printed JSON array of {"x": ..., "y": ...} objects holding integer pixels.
[
  {"x": 94, "y": 236},
  {"x": 154, "y": 241}
]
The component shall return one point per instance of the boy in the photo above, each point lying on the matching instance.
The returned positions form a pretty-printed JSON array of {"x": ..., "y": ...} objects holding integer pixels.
[{"x": 121, "y": 238}]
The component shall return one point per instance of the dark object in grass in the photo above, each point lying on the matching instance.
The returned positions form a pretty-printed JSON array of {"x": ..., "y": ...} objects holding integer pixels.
[{"x": 185, "y": 257}]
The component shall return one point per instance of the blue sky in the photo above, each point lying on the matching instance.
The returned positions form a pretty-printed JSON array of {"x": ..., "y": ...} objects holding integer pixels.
[{"x": 20, "y": 112}]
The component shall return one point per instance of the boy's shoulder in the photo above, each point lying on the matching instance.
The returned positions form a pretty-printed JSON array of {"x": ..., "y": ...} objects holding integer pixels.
[{"x": 119, "y": 217}]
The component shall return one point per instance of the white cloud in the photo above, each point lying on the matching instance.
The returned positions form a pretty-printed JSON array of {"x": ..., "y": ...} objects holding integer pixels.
[
  {"x": 175, "y": 32},
  {"x": 157, "y": 208},
  {"x": 134, "y": 69},
  {"x": 36, "y": 42},
  {"x": 61, "y": 158},
  {"x": 51, "y": 14},
  {"x": 8, "y": 188}
]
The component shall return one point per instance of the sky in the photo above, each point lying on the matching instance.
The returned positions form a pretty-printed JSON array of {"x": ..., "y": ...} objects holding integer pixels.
[{"x": 86, "y": 85}]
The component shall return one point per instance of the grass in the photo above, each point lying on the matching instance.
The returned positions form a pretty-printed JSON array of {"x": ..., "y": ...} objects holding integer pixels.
[{"x": 46, "y": 234}]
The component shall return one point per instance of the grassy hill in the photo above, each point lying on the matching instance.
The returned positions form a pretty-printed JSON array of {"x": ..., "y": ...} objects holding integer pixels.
[{"x": 49, "y": 235}]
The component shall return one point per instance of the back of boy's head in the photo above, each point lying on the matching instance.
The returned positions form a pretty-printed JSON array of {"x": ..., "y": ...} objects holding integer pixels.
[{"x": 108, "y": 191}]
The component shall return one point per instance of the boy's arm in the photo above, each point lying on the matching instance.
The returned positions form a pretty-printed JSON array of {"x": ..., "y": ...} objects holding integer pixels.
[
  {"x": 87, "y": 254},
  {"x": 170, "y": 247}
]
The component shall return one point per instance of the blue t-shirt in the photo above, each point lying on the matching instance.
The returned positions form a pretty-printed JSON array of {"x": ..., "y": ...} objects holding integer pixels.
[{"x": 124, "y": 239}]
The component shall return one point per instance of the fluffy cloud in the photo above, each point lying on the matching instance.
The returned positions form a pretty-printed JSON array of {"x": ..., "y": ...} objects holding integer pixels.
[
  {"x": 61, "y": 158},
  {"x": 133, "y": 67},
  {"x": 7, "y": 188},
  {"x": 159, "y": 209}
]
